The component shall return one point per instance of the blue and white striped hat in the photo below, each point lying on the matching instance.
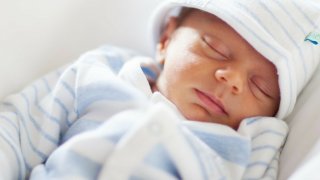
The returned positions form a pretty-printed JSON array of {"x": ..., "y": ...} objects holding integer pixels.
[{"x": 287, "y": 32}]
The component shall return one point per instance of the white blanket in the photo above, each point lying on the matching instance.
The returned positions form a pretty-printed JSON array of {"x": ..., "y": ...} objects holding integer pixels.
[{"x": 88, "y": 122}]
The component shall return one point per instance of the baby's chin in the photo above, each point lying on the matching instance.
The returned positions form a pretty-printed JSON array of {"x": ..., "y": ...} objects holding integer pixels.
[
  {"x": 197, "y": 114},
  {"x": 202, "y": 116}
]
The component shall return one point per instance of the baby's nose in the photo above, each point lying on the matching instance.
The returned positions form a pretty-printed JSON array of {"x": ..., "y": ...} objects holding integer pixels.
[{"x": 232, "y": 78}]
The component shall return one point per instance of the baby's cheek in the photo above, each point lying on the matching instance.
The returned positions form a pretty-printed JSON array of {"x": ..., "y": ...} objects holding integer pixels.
[{"x": 245, "y": 109}]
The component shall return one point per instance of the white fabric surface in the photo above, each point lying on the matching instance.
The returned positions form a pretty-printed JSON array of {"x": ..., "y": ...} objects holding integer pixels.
[{"x": 303, "y": 142}]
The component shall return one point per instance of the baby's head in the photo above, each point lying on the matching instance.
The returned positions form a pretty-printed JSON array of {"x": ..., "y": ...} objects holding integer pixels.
[{"x": 225, "y": 60}]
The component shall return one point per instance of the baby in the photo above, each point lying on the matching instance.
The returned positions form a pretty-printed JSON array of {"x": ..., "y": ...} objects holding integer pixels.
[
  {"x": 212, "y": 74},
  {"x": 227, "y": 66}
]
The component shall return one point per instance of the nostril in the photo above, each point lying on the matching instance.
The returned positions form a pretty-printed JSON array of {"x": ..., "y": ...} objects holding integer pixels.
[
  {"x": 222, "y": 78},
  {"x": 232, "y": 78},
  {"x": 235, "y": 89},
  {"x": 220, "y": 75}
]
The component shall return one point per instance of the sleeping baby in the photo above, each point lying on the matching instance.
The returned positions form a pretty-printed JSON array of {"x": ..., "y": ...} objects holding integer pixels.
[{"x": 208, "y": 106}]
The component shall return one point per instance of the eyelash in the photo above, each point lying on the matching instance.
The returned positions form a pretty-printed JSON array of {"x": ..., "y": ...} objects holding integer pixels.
[
  {"x": 221, "y": 56},
  {"x": 260, "y": 89}
]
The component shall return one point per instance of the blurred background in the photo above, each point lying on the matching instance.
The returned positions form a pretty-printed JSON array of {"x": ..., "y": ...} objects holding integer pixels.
[{"x": 37, "y": 36}]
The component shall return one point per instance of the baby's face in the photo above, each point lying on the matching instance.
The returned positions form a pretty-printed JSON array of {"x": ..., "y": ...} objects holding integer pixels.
[{"x": 213, "y": 75}]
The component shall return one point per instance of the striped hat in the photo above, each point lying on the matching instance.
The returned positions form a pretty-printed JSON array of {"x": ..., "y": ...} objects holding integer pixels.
[{"x": 286, "y": 32}]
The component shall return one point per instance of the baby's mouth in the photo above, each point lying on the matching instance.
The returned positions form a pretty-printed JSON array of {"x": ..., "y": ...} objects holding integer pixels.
[{"x": 211, "y": 103}]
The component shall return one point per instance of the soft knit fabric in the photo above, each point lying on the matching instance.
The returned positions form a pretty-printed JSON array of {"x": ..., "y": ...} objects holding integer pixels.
[{"x": 284, "y": 31}]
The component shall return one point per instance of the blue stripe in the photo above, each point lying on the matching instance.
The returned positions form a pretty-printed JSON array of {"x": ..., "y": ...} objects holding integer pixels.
[
  {"x": 268, "y": 131},
  {"x": 10, "y": 122},
  {"x": 230, "y": 148},
  {"x": 46, "y": 84},
  {"x": 258, "y": 163},
  {"x": 276, "y": 19},
  {"x": 27, "y": 165},
  {"x": 48, "y": 115},
  {"x": 271, "y": 176},
  {"x": 64, "y": 108},
  {"x": 68, "y": 88},
  {"x": 104, "y": 91},
  {"x": 252, "y": 120},
  {"x": 304, "y": 15},
  {"x": 80, "y": 126},
  {"x": 76, "y": 111},
  {"x": 290, "y": 16},
  {"x": 264, "y": 164},
  {"x": 115, "y": 136},
  {"x": 149, "y": 73},
  {"x": 14, "y": 150},
  {"x": 200, "y": 162},
  {"x": 160, "y": 158},
  {"x": 114, "y": 61},
  {"x": 36, "y": 125},
  {"x": 254, "y": 16},
  {"x": 276, "y": 158},
  {"x": 35, "y": 93},
  {"x": 16, "y": 112},
  {"x": 79, "y": 164},
  {"x": 253, "y": 32},
  {"x": 264, "y": 177},
  {"x": 44, "y": 112},
  {"x": 58, "y": 73},
  {"x": 265, "y": 147},
  {"x": 271, "y": 168},
  {"x": 40, "y": 154},
  {"x": 74, "y": 70}
]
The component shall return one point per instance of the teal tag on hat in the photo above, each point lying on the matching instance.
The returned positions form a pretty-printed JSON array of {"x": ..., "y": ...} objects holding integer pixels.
[{"x": 313, "y": 37}]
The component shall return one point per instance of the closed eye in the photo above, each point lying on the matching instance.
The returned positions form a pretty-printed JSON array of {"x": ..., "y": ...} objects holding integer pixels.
[
  {"x": 260, "y": 88},
  {"x": 214, "y": 52}
]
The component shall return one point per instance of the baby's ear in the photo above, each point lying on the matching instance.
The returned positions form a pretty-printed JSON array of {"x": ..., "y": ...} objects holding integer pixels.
[
  {"x": 165, "y": 39},
  {"x": 167, "y": 33}
]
